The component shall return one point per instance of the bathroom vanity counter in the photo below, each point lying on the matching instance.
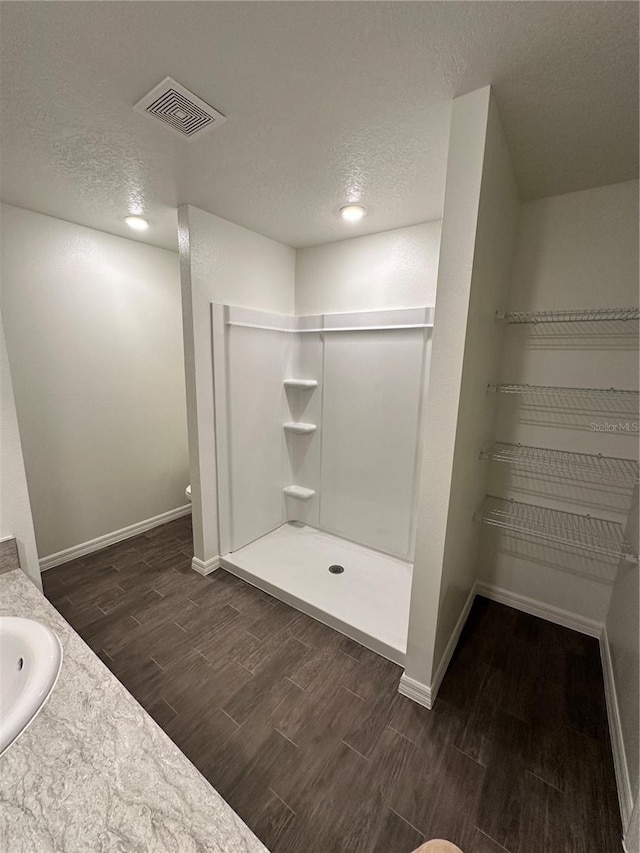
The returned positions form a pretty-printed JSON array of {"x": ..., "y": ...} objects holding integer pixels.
[{"x": 94, "y": 772}]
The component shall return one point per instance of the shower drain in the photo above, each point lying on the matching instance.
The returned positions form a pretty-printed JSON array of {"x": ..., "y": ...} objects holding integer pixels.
[{"x": 336, "y": 570}]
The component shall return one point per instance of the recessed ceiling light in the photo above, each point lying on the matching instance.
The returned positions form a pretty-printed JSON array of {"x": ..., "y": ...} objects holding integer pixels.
[
  {"x": 137, "y": 223},
  {"x": 352, "y": 212}
]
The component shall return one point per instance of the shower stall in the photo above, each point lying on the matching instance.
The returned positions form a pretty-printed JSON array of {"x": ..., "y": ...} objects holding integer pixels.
[{"x": 318, "y": 440}]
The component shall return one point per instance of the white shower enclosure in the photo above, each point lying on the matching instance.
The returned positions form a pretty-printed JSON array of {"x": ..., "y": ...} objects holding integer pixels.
[{"x": 318, "y": 425}]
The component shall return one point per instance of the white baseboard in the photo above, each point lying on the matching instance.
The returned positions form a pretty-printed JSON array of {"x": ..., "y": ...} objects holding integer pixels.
[
  {"x": 538, "y": 608},
  {"x": 205, "y": 567},
  {"x": 623, "y": 782},
  {"x": 111, "y": 538},
  {"x": 415, "y": 690}
]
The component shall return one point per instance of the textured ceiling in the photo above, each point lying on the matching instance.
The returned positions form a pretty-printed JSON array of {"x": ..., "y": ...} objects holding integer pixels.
[{"x": 325, "y": 102}]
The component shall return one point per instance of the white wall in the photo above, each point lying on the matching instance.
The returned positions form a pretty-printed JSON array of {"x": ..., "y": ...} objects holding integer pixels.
[
  {"x": 393, "y": 269},
  {"x": 478, "y": 233},
  {"x": 622, "y": 634},
  {"x": 15, "y": 510},
  {"x": 492, "y": 267},
  {"x": 578, "y": 246},
  {"x": 225, "y": 263},
  {"x": 93, "y": 329},
  {"x": 578, "y": 250}
]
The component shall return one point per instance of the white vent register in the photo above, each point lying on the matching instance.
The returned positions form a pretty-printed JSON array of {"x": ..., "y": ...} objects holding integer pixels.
[{"x": 182, "y": 112}]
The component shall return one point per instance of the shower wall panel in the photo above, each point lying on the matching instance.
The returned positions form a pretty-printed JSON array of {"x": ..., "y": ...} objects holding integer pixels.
[
  {"x": 252, "y": 452},
  {"x": 372, "y": 395}
]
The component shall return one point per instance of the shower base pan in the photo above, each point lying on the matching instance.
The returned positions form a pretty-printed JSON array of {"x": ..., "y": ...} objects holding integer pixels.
[{"x": 368, "y": 601}]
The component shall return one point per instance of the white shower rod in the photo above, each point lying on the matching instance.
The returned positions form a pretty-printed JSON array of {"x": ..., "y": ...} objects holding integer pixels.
[{"x": 332, "y": 328}]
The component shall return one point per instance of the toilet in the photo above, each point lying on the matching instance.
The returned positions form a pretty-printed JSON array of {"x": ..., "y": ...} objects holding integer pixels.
[{"x": 187, "y": 492}]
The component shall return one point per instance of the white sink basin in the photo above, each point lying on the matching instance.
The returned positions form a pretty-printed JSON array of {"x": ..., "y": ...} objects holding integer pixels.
[{"x": 30, "y": 660}]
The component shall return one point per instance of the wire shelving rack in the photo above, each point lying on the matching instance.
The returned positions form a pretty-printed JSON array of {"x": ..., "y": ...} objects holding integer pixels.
[
  {"x": 577, "y": 315},
  {"x": 595, "y": 535},
  {"x": 560, "y": 391},
  {"x": 589, "y": 466}
]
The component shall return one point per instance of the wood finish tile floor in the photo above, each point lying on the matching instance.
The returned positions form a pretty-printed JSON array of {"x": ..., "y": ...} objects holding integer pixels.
[{"x": 303, "y": 732}]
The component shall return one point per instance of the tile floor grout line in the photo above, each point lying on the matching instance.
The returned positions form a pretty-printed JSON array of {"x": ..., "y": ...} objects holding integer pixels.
[
  {"x": 278, "y": 797},
  {"x": 235, "y": 722},
  {"x": 408, "y": 822},
  {"x": 544, "y": 782},
  {"x": 346, "y": 654},
  {"x": 466, "y": 755},
  {"x": 353, "y": 693},
  {"x": 282, "y": 734},
  {"x": 402, "y": 735},
  {"x": 353, "y": 749},
  {"x": 491, "y": 838},
  {"x": 259, "y": 639},
  {"x": 227, "y": 714},
  {"x": 169, "y": 705}
]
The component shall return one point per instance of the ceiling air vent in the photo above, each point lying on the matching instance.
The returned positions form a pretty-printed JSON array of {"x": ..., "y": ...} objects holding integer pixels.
[{"x": 183, "y": 112}]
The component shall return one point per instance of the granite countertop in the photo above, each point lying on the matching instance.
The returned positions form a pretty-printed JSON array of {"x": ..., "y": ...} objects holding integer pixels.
[{"x": 94, "y": 772}]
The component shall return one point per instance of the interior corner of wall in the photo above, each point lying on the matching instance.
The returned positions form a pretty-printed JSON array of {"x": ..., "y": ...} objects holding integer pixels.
[{"x": 184, "y": 234}]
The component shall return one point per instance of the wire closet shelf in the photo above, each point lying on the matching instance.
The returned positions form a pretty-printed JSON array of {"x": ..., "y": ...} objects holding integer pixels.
[
  {"x": 594, "y": 535},
  {"x": 559, "y": 391},
  {"x": 578, "y": 315},
  {"x": 590, "y": 466}
]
